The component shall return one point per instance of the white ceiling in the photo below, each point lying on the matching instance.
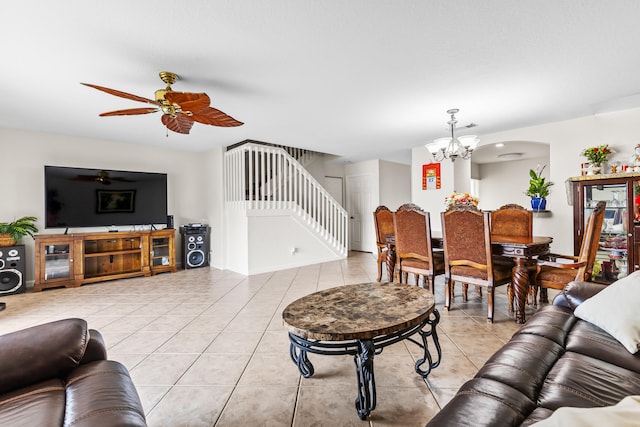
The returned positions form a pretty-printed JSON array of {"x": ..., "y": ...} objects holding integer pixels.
[{"x": 360, "y": 78}]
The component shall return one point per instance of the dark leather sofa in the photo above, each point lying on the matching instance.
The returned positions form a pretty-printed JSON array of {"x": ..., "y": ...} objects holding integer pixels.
[
  {"x": 554, "y": 360},
  {"x": 56, "y": 374}
]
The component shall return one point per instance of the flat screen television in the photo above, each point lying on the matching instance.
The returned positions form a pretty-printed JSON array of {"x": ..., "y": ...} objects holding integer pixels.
[{"x": 80, "y": 197}]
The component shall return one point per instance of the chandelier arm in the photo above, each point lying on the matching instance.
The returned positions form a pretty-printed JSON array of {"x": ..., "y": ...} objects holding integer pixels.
[{"x": 454, "y": 148}]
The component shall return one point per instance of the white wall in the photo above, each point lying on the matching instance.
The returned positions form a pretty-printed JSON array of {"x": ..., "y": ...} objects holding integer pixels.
[
  {"x": 395, "y": 184},
  {"x": 213, "y": 193},
  {"x": 279, "y": 241},
  {"x": 236, "y": 239},
  {"x": 325, "y": 165},
  {"x": 22, "y": 175},
  {"x": 506, "y": 182},
  {"x": 566, "y": 139}
]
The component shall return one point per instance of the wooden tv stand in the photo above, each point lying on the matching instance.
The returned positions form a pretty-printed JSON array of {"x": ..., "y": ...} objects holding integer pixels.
[{"x": 72, "y": 260}]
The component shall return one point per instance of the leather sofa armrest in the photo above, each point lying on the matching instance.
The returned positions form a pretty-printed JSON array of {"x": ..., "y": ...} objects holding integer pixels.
[
  {"x": 575, "y": 293},
  {"x": 44, "y": 352},
  {"x": 96, "y": 349}
]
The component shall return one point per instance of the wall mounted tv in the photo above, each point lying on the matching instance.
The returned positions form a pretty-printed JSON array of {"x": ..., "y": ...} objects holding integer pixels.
[{"x": 80, "y": 197}]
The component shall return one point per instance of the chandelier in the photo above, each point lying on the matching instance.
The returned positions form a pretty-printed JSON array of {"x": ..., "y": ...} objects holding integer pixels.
[{"x": 452, "y": 147}]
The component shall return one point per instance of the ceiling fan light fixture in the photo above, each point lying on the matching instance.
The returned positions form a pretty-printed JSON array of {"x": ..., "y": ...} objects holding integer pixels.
[
  {"x": 169, "y": 78},
  {"x": 453, "y": 147},
  {"x": 180, "y": 109}
]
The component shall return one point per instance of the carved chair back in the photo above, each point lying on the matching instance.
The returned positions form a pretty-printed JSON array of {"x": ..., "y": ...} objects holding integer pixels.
[{"x": 512, "y": 220}]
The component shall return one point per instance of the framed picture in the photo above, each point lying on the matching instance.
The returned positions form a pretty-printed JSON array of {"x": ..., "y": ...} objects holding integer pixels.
[
  {"x": 431, "y": 178},
  {"x": 113, "y": 201}
]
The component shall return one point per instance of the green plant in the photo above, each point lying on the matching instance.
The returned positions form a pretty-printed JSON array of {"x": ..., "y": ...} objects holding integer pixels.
[
  {"x": 538, "y": 185},
  {"x": 19, "y": 228},
  {"x": 597, "y": 155}
]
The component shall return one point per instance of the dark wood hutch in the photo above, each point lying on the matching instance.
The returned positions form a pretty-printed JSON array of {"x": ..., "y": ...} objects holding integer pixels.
[{"x": 619, "y": 251}]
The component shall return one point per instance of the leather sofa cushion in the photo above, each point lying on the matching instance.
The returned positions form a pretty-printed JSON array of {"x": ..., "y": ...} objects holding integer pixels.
[
  {"x": 554, "y": 360},
  {"x": 581, "y": 381},
  {"x": 515, "y": 367},
  {"x": 592, "y": 341},
  {"x": 102, "y": 394},
  {"x": 494, "y": 403},
  {"x": 48, "y": 352},
  {"x": 41, "y": 404},
  {"x": 96, "y": 394},
  {"x": 575, "y": 293}
]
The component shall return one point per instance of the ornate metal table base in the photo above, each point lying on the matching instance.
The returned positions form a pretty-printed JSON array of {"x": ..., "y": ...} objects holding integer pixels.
[{"x": 363, "y": 352}]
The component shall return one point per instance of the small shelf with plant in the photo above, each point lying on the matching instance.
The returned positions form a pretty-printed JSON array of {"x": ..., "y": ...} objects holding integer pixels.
[
  {"x": 538, "y": 188},
  {"x": 13, "y": 232}
]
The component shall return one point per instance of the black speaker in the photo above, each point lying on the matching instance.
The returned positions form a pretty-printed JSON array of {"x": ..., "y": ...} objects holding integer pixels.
[
  {"x": 169, "y": 221},
  {"x": 195, "y": 246},
  {"x": 12, "y": 270}
]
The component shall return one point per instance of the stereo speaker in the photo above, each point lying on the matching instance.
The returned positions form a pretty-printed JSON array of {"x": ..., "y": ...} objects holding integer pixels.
[
  {"x": 169, "y": 221},
  {"x": 12, "y": 270},
  {"x": 195, "y": 246}
]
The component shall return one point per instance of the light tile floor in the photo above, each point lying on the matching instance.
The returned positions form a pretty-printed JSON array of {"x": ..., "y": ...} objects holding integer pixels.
[{"x": 207, "y": 347}]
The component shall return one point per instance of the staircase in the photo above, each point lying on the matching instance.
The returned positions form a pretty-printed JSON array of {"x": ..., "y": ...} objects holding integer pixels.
[{"x": 285, "y": 216}]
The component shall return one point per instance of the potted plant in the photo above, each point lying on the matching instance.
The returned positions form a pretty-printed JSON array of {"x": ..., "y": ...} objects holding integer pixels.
[
  {"x": 596, "y": 156},
  {"x": 12, "y": 232},
  {"x": 538, "y": 188}
]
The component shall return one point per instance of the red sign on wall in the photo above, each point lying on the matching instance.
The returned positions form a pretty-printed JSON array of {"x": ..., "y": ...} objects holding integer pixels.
[{"x": 431, "y": 176}]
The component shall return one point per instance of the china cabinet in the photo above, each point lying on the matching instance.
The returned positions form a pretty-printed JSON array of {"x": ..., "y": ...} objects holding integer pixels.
[{"x": 619, "y": 248}]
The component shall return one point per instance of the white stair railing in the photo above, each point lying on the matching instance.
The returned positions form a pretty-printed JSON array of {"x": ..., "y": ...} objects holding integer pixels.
[{"x": 265, "y": 177}]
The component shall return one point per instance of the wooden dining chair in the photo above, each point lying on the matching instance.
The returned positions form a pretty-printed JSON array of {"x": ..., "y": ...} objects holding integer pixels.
[
  {"x": 468, "y": 256},
  {"x": 512, "y": 220},
  {"x": 516, "y": 221},
  {"x": 383, "y": 220},
  {"x": 555, "y": 275},
  {"x": 414, "y": 248}
]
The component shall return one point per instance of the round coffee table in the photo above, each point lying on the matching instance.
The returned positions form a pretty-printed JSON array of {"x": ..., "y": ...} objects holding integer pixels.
[{"x": 361, "y": 320}]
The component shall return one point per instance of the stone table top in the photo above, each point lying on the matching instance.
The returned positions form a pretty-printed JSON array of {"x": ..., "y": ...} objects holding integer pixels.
[{"x": 359, "y": 312}]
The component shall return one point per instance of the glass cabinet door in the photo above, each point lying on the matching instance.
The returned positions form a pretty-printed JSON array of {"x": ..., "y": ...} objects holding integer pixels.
[
  {"x": 611, "y": 260},
  {"x": 636, "y": 225},
  {"x": 160, "y": 255},
  {"x": 57, "y": 264}
]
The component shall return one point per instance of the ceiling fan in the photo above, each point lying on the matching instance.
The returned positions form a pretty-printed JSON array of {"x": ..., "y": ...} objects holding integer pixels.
[
  {"x": 101, "y": 177},
  {"x": 179, "y": 109}
]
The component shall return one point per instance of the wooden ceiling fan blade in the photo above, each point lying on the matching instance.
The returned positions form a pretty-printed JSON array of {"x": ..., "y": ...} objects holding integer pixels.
[
  {"x": 215, "y": 117},
  {"x": 122, "y": 94},
  {"x": 180, "y": 123},
  {"x": 188, "y": 101},
  {"x": 130, "y": 112}
]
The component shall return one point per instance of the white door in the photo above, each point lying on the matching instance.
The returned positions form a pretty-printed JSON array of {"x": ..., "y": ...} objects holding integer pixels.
[{"x": 362, "y": 236}]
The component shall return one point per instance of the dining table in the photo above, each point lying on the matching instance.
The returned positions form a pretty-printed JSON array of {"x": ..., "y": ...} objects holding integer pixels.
[{"x": 523, "y": 250}]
